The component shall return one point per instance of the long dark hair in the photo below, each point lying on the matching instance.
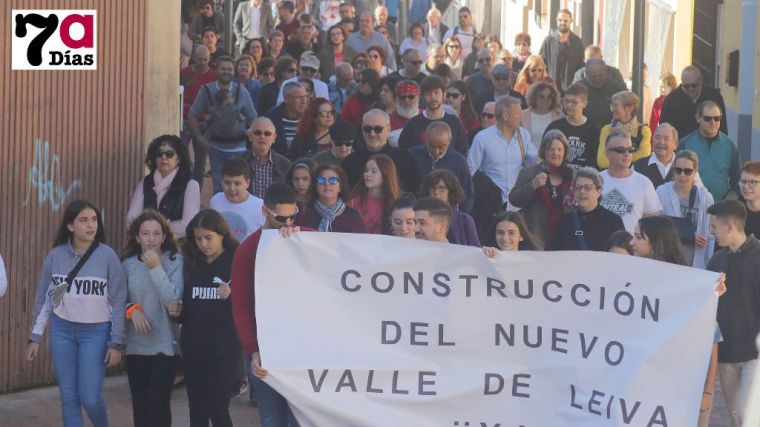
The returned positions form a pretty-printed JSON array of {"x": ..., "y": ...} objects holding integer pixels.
[
  {"x": 208, "y": 219},
  {"x": 70, "y": 214},
  {"x": 178, "y": 145},
  {"x": 132, "y": 248},
  {"x": 529, "y": 241},
  {"x": 468, "y": 111},
  {"x": 390, "y": 186},
  {"x": 663, "y": 237}
]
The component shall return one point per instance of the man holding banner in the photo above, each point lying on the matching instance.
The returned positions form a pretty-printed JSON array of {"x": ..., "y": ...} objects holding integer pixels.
[{"x": 279, "y": 211}]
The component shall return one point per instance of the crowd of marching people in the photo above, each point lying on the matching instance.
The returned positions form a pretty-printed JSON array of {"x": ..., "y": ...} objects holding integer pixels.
[{"x": 326, "y": 116}]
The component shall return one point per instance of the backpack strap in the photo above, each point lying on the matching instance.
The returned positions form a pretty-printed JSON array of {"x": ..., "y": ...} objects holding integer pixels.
[{"x": 521, "y": 143}]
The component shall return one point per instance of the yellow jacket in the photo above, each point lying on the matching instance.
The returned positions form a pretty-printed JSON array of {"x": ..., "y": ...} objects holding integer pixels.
[{"x": 644, "y": 149}]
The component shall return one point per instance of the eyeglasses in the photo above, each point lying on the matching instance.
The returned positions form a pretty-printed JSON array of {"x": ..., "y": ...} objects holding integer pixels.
[
  {"x": 435, "y": 188},
  {"x": 454, "y": 46},
  {"x": 452, "y": 95},
  {"x": 369, "y": 129},
  {"x": 290, "y": 70},
  {"x": 484, "y": 60},
  {"x": 347, "y": 143},
  {"x": 751, "y": 183},
  {"x": 283, "y": 218},
  {"x": 622, "y": 150},
  {"x": 690, "y": 85},
  {"x": 266, "y": 133},
  {"x": 326, "y": 114},
  {"x": 711, "y": 118},
  {"x": 487, "y": 115},
  {"x": 416, "y": 63},
  {"x": 501, "y": 77},
  {"x": 585, "y": 188},
  {"x": 536, "y": 70},
  {"x": 169, "y": 154},
  {"x": 407, "y": 97},
  {"x": 683, "y": 171},
  {"x": 328, "y": 180}
]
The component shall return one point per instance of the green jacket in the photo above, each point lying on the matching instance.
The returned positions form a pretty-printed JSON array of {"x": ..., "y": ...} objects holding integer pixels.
[{"x": 718, "y": 162}]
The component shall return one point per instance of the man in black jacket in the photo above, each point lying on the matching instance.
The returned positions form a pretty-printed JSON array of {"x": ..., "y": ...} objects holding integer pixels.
[
  {"x": 739, "y": 308},
  {"x": 659, "y": 166},
  {"x": 680, "y": 106},
  {"x": 376, "y": 125},
  {"x": 562, "y": 51}
]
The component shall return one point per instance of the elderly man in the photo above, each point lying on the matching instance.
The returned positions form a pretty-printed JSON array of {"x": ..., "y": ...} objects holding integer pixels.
[
  {"x": 562, "y": 51},
  {"x": 267, "y": 166},
  {"x": 376, "y": 126},
  {"x": 600, "y": 90},
  {"x": 407, "y": 106},
  {"x": 487, "y": 118},
  {"x": 435, "y": 57},
  {"x": 659, "y": 166},
  {"x": 368, "y": 37},
  {"x": 437, "y": 153},
  {"x": 412, "y": 63},
  {"x": 629, "y": 194},
  {"x": 342, "y": 87},
  {"x": 342, "y": 143},
  {"x": 286, "y": 116},
  {"x": 500, "y": 151},
  {"x": 309, "y": 67},
  {"x": 433, "y": 91},
  {"x": 221, "y": 147},
  {"x": 594, "y": 51},
  {"x": 718, "y": 155},
  {"x": 434, "y": 29},
  {"x": 247, "y": 15},
  {"x": 381, "y": 19},
  {"x": 303, "y": 41},
  {"x": 680, "y": 106}
]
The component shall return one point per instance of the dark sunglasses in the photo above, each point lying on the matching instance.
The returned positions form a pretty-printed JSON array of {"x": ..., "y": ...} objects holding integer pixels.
[
  {"x": 169, "y": 154},
  {"x": 454, "y": 46},
  {"x": 369, "y": 129},
  {"x": 416, "y": 63},
  {"x": 711, "y": 118},
  {"x": 407, "y": 97},
  {"x": 329, "y": 180},
  {"x": 347, "y": 143},
  {"x": 623, "y": 150},
  {"x": 487, "y": 115},
  {"x": 690, "y": 85},
  {"x": 290, "y": 70},
  {"x": 452, "y": 95},
  {"x": 262, "y": 132},
  {"x": 684, "y": 171},
  {"x": 283, "y": 218}
]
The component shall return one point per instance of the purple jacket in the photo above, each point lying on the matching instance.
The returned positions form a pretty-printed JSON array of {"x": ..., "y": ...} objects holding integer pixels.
[{"x": 463, "y": 231}]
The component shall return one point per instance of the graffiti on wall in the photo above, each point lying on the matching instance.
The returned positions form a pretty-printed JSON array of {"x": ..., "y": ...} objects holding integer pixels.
[{"x": 44, "y": 178}]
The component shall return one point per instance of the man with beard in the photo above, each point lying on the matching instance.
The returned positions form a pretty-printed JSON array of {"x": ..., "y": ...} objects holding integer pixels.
[
  {"x": 201, "y": 109},
  {"x": 465, "y": 31},
  {"x": 407, "y": 106},
  {"x": 433, "y": 91},
  {"x": 562, "y": 51}
]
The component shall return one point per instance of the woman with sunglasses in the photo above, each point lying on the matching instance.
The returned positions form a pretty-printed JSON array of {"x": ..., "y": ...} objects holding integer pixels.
[
  {"x": 458, "y": 97},
  {"x": 374, "y": 195},
  {"x": 328, "y": 211},
  {"x": 534, "y": 71},
  {"x": 376, "y": 59},
  {"x": 624, "y": 106},
  {"x": 367, "y": 87},
  {"x": 543, "y": 109},
  {"x": 452, "y": 48},
  {"x": 687, "y": 203},
  {"x": 313, "y": 133},
  {"x": 168, "y": 187},
  {"x": 265, "y": 70}
]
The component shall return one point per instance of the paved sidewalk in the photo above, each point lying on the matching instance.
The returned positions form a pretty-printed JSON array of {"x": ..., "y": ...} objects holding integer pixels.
[{"x": 41, "y": 407}]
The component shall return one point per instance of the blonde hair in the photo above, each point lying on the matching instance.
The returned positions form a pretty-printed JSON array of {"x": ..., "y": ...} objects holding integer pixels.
[{"x": 627, "y": 98}]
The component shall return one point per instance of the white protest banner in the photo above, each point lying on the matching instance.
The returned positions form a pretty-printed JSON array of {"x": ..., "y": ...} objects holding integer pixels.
[{"x": 360, "y": 330}]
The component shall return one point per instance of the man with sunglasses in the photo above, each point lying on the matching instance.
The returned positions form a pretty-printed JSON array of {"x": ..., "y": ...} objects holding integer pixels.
[
  {"x": 487, "y": 119},
  {"x": 718, "y": 155},
  {"x": 407, "y": 106},
  {"x": 680, "y": 106},
  {"x": 433, "y": 91},
  {"x": 279, "y": 212},
  {"x": 502, "y": 80},
  {"x": 342, "y": 141},
  {"x": 376, "y": 126},
  {"x": 412, "y": 64},
  {"x": 267, "y": 166},
  {"x": 308, "y": 65},
  {"x": 465, "y": 31},
  {"x": 480, "y": 84},
  {"x": 626, "y": 193}
]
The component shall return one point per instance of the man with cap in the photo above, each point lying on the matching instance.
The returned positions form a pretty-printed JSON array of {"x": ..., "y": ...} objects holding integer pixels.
[
  {"x": 433, "y": 90},
  {"x": 501, "y": 83},
  {"x": 342, "y": 142},
  {"x": 309, "y": 67},
  {"x": 407, "y": 106}
]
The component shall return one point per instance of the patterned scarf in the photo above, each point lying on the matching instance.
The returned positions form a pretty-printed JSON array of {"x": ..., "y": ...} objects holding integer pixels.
[{"x": 328, "y": 214}]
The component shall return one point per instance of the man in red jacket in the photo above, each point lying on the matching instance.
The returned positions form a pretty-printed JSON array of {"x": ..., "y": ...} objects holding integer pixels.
[{"x": 279, "y": 212}]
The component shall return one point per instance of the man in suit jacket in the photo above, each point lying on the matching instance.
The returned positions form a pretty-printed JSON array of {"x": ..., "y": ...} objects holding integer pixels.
[
  {"x": 659, "y": 166},
  {"x": 241, "y": 24},
  {"x": 434, "y": 29}
]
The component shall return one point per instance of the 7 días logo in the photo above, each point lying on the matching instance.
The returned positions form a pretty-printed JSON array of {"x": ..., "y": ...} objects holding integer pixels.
[{"x": 54, "y": 39}]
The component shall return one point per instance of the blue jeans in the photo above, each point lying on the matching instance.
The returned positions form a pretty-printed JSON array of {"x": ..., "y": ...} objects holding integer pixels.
[
  {"x": 217, "y": 160},
  {"x": 273, "y": 408},
  {"x": 79, "y": 352}
]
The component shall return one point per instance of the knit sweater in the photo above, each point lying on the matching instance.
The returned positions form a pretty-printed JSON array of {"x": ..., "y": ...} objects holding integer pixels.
[{"x": 153, "y": 289}]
